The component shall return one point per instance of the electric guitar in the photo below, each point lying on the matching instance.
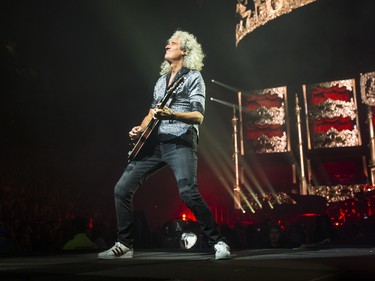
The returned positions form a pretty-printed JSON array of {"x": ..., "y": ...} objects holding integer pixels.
[{"x": 154, "y": 122}]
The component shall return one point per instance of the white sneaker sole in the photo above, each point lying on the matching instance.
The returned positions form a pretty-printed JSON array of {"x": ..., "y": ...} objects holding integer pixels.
[
  {"x": 222, "y": 257},
  {"x": 125, "y": 256}
]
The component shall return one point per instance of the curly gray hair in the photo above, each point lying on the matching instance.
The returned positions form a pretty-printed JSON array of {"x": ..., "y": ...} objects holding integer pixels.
[{"x": 194, "y": 53}]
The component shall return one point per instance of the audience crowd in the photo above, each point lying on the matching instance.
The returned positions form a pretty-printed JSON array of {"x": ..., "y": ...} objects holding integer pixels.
[{"x": 39, "y": 218}]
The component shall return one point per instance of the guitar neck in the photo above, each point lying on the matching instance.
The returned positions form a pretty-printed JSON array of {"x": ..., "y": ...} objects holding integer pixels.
[
  {"x": 153, "y": 122},
  {"x": 170, "y": 92}
]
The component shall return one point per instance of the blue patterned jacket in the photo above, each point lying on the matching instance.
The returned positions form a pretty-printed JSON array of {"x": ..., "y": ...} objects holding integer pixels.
[{"x": 189, "y": 97}]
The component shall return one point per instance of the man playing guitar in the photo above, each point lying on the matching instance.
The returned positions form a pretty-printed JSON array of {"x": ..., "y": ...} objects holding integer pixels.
[{"x": 178, "y": 118}]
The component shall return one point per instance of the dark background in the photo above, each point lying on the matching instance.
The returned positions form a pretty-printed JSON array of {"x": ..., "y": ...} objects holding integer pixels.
[{"x": 77, "y": 75}]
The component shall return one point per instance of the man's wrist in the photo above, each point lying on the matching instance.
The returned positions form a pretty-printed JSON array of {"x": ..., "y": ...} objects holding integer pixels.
[{"x": 173, "y": 115}]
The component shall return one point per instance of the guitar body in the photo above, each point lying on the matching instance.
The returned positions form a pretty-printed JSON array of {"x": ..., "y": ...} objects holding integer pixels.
[
  {"x": 153, "y": 123},
  {"x": 141, "y": 143}
]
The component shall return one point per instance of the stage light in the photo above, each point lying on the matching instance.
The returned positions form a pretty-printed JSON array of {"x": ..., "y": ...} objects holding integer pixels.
[{"x": 188, "y": 240}]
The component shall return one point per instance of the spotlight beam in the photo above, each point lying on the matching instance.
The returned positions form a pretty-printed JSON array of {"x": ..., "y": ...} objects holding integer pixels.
[
  {"x": 226, "y": 86},
  {"x": 229, "y": 104}
]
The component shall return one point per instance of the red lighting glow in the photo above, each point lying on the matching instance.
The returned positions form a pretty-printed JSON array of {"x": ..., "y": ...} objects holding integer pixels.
[
  {"x": 187, "y": 215},
  {"x": 310, "y": 215}
]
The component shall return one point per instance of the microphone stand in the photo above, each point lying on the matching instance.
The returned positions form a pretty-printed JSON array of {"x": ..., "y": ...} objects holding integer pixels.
[{"x": 237, "y": 185}]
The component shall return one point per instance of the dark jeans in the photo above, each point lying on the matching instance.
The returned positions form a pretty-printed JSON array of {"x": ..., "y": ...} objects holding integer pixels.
[{"x": 182, "y": 158}]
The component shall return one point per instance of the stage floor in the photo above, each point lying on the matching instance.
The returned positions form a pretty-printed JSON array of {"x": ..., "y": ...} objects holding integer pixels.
[{"x": 313, "y": 264}]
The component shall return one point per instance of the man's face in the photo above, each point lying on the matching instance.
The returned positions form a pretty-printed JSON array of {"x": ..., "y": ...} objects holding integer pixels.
[{"x": 173, "y": 50}]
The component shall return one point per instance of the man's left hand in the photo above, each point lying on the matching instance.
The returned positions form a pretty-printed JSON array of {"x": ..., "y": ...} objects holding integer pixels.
[{"x": 164, "y": 113}]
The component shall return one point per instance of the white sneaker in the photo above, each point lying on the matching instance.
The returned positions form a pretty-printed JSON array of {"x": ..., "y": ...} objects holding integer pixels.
[
  {"x": 118, "y": 251},
  {"x": 222, "y": 251}
]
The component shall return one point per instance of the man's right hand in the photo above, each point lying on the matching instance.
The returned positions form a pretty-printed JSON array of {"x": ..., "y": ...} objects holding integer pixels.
[{"x": 135, "y": 133}]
